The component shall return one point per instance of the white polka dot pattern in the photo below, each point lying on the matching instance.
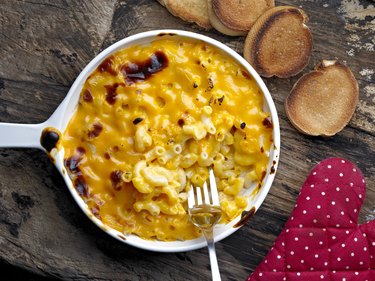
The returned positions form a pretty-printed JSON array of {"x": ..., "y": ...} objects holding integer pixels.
[{"x": 322, "y": 240}]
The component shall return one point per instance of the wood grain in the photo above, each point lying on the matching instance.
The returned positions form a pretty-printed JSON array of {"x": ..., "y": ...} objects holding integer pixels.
[{"x": 44, "y": 46}]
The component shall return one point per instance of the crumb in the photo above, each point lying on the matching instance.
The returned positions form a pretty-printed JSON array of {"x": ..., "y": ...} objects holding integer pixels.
[
  {"x": 350, "y": 52},
  {"x": 367, "y": 73},
  {"x": 370, "y": 92}
]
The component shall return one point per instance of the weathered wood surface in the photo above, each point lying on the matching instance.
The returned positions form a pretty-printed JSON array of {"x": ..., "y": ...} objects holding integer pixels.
[{"x": 45, "y": 44}]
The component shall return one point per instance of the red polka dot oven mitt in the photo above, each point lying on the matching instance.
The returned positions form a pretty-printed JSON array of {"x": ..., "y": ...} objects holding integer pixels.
[{"x": 322, "y": 240}]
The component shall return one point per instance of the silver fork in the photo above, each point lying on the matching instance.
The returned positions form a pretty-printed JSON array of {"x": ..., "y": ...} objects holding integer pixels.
[{"x": 205, "y": 212}]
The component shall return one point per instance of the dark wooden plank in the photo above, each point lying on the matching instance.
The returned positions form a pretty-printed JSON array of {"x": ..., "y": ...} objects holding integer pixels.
[{"x": 45, "y": 45}]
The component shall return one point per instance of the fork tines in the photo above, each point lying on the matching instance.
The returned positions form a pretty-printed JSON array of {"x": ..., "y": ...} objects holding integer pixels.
[{"x": 209, "y": 196}]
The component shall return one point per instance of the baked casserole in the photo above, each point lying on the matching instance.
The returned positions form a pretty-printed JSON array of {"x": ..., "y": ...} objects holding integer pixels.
[{"x": 154, "y": 118}]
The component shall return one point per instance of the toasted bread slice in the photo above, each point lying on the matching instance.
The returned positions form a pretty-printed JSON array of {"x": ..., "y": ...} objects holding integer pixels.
[
  {"x": 189, "y": 10},
  {"x": 323, "y": 101},
  {"x": 279, "y": 43},
  {"x": 240, "y": 15},
  {"x": 218, "y": 25}
]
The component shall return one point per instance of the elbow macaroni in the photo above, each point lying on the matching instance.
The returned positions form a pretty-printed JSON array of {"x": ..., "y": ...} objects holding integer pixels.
[{"x": 161, "y": 134}]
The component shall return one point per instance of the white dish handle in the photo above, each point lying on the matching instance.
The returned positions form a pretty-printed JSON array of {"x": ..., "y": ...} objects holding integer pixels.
[{"x": 20, "y": 135}]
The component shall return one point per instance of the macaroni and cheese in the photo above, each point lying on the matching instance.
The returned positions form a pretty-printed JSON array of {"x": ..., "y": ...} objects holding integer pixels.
[{"x": 152, "y": 119}]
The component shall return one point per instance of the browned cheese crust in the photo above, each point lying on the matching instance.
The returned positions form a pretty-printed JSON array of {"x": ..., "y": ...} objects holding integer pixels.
[
  {"x": 189, "y": 10},
  {"x": 323, "y": 101},
  {"x": 279, "y": 43},
  {"x": 240, "y": 14}
]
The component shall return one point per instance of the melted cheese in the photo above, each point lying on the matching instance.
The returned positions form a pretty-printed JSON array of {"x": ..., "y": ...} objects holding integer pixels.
[{"x": 113, "y": 109}]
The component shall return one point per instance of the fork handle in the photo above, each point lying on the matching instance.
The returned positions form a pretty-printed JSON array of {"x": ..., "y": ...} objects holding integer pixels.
[{"x": 212, "y": 253}]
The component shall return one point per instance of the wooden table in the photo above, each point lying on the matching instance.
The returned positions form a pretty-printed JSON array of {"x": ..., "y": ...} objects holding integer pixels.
[{"x": 44, "y": 46}]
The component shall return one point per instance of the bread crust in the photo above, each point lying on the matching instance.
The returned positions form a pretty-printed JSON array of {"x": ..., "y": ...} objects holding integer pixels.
[
  {"x": 279, "y": 43},
  {"x": 323, "y": 101},
  {"x": 240, "y": 15},
  {"x": 161, "y": 2},
  {"x": 190, "y": 10},
  {"x": 218, "y": 25}
]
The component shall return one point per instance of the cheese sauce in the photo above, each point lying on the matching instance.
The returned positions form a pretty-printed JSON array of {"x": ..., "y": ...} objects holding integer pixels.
[{"x": 163, "y": 86}]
